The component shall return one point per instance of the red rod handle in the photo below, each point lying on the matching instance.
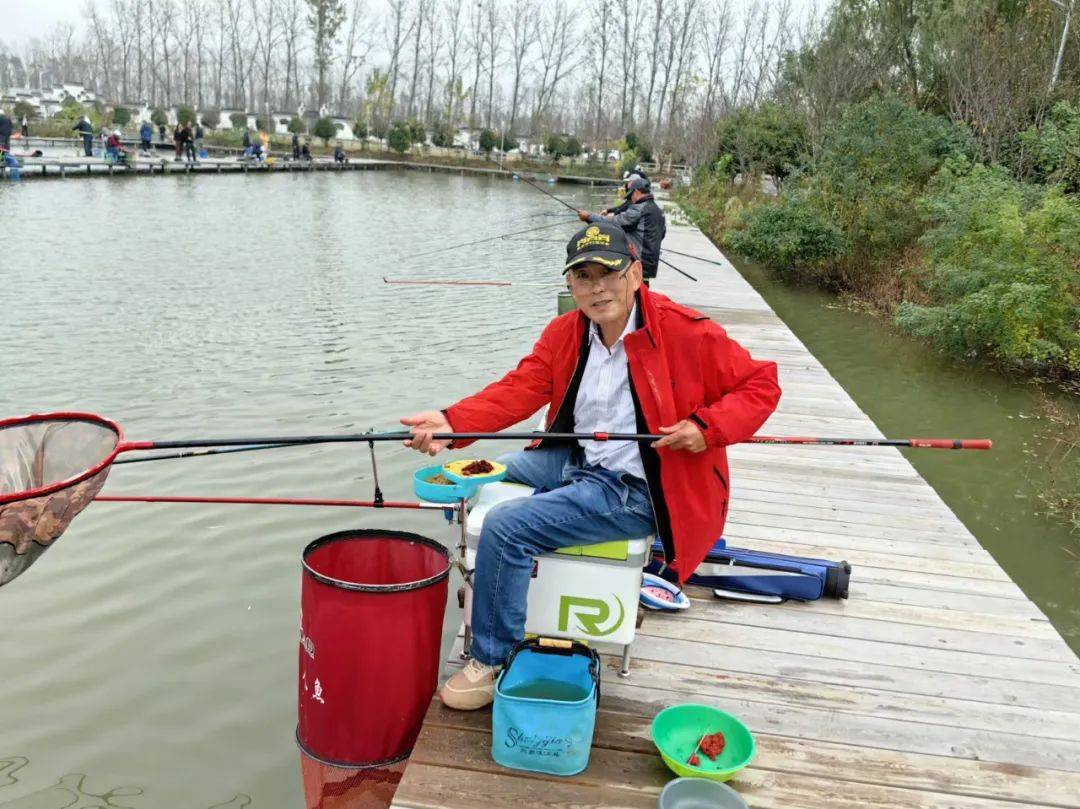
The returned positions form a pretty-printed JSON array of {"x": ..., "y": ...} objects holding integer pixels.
[{"x": 952, "y": 443}]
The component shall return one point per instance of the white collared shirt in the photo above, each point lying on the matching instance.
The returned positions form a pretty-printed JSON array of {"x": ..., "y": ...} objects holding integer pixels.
[{"x": 604, "y": 404}]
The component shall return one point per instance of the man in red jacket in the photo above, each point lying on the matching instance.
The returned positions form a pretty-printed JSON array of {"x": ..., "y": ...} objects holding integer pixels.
[{"x": 628, "y": 361}]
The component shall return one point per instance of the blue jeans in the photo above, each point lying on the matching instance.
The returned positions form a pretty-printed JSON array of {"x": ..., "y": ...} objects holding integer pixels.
[{"x": 573, "y": 505}]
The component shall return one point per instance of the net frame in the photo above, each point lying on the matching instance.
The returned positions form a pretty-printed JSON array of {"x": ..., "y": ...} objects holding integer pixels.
[
  {"x": 64, "y": 416},
  {"x": 33, "y": 519}
]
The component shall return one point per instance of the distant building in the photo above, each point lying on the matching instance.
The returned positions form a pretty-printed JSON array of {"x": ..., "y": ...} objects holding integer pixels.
[
  {"x": 226, "y": 117},
  {"x": 344, "y": 127},
  {"x": 47, "y": 101}
]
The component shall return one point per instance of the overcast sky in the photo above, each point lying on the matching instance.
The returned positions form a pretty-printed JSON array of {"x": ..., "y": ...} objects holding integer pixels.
[{"x": 23, "y": 19}]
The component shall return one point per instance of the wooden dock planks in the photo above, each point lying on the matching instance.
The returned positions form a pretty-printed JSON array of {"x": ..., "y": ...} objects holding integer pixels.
[{"x": 937, "y": 684}]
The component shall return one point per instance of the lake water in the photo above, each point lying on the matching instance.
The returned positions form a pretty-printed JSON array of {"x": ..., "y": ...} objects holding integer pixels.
[{"x": 155, "y": 646}]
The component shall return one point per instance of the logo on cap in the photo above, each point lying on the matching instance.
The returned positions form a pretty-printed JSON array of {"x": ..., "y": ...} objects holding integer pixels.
[{"x": 593, "y": 236}]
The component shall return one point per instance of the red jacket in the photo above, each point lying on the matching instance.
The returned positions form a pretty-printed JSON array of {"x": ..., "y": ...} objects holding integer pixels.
[{"x": 682, "y": 366}]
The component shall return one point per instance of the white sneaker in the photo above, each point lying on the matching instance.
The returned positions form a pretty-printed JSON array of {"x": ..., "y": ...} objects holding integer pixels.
[{"x": 471, "y": 688}]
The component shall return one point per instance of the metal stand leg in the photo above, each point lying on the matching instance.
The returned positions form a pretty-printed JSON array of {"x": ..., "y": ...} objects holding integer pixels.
[
  {"x": 466, "y": 643},
  {"x": 625, "y": 670}
]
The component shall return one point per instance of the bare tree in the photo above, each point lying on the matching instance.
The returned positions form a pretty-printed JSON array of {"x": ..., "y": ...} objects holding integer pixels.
[
  {"x": 630, "y": 16},
  {"x": 557, "y": 41},
  {"x": 324, "y": 19},
  {"x": 431, "y": 59},
  {"x": 657, "y": 33},
  {"x": 104, "y": 47},
  {"x": 682, "y": 42},
  {"x": 398, "y": 33},
  {"x": 454, "y": 46},
  {"x": 289, "y": 13},
  {"x": 267, "y": 37},
  {"x": 522, "y": 31},
  {"x": 188, "y": 21},
  {"x": 477, "y": 46},
  {"x": 419, "y": 21},
  {"x": 355, "y": 53},
  {"x": 599, "y": 44},
  {"x": 491, "y": 19},
  {"x": 238, "y": 31},
  {"x": 716, "y": 29}
]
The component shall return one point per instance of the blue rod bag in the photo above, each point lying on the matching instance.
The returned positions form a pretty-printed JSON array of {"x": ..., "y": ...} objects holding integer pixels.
[{"x": 757, "y": 573}]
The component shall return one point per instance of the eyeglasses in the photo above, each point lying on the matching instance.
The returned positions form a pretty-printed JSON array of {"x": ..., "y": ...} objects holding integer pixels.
[{"x": 585, "y": 280}]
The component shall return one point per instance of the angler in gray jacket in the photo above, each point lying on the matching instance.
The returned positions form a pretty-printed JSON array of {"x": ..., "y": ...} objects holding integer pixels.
[
  {"x": 627, "y": 177},
  {"x": 643, "y": 222}
]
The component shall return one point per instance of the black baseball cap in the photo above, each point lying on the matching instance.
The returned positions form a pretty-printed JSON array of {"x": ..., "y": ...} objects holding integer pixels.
[{"x": 603, "y": 243}]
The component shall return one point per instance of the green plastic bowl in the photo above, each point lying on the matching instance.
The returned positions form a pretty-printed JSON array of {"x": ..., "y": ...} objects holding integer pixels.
[{"x": 676, "y": 731}]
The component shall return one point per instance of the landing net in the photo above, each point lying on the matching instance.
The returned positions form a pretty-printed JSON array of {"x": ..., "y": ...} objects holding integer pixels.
[{"x": 51, "y": 468}]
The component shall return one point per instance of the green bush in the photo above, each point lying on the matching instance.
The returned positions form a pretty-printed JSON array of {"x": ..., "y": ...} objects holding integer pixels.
[
  {"x": 627, "y": 161},
  {"x": 770, "y": 139},
  {"x": 488, "y": 140},
  {"x": 296, "y": 125},
  {"x": 1004, "y": 263},
  {"x": 443, "y": 136},
  {"x": 211, "y": 118},
  {"x": 121, "y": 116},
  {"x": 159, "y": 117},
  {"x": 790, "y": 237},
  {"x": 71, "y": 111},
  {"x": 185, "y": 115},
  {"x": 1055, "y": 146},
  {"x": 417, "y": 133},
  {"x": 557, "y": 146},
  {"x": 325, "y": 129},
  {"x": 261, "y": 125},
  {"x": 874, "y": 164},
  {"x": 238, "y": 120},
  {"x": 399, "y": 138},
  {"x": 23, "y": 109},
  {"x": 360, "y": 130}
]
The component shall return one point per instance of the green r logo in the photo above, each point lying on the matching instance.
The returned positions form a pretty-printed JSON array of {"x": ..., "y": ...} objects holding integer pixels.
[{"x": 591, "y": 614}]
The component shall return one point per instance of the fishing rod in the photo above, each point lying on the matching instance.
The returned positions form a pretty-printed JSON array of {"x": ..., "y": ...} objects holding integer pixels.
[
  {"x": 575, "y": 210},
  {"x": 472, "y": 282},
  {"x": 273, "y": 501},
  {"x": 696, "y": 258},
  {"x": 198, "y": 453},
  {"x": 341, "y": 438},
  {"x": 95, "y": 442},
  {"x": 560, "y": 223},
  {"x": 662, "y": 250}
]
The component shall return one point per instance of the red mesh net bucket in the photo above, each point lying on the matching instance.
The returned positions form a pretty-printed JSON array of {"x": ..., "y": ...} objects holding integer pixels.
[
  {"x": 371, "y": 628},
  {"x": 51, "y": 468}
]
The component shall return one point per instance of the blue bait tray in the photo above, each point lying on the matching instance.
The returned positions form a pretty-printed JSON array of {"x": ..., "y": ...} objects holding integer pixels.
[{"x": 440, "y": 493}]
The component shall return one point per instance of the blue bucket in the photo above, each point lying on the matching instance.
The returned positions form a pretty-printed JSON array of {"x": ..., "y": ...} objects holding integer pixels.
[{"x": 545, "y": 707}]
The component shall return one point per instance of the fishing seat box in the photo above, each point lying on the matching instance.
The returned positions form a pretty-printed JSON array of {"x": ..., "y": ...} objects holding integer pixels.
[{"x": 586, "y": 592}]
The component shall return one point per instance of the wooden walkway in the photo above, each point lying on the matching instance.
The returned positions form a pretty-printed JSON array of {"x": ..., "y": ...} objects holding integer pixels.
[
  {"x": 74, "y": 166},
  {"x": 937, "y": 684}
]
